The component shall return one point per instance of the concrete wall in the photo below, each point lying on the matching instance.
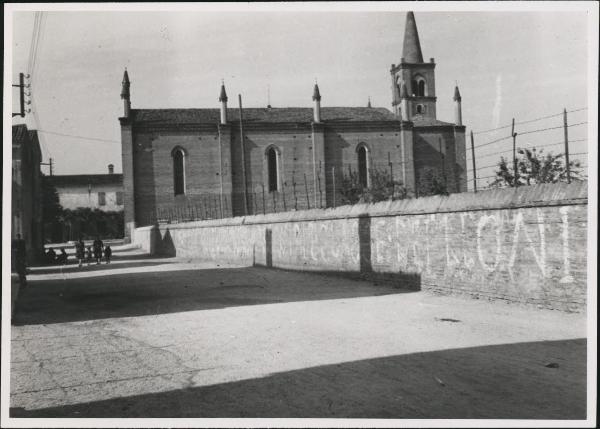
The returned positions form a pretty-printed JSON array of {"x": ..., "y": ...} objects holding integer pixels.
[{"x": 525, "y": 245}]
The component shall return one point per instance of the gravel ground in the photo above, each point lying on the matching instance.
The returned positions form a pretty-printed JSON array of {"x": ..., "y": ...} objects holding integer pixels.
[{"x": 146, "y": 337}]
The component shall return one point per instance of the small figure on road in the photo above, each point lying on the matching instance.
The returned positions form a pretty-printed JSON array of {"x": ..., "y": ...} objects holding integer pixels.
[
  {"x": 50, "y": 256},
  {"x": 107, "y": 254},
  {"x": 62, "y": 256},
  {"x": 98, "y": 245},
  {"x": 19, "y": 254},
  {"x": 80, "y": 251},
  {"x": 89, "y": 255}
]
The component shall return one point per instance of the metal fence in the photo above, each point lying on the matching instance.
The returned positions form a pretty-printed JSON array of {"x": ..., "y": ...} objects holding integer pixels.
[
  {"x": 343, "y": 184},
  {"x": 562, "y": 134}
]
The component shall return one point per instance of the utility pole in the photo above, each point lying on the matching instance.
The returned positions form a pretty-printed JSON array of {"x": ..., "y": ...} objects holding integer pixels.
[
  {"x": 514, "y": 137},
  {"x": 567, "y": 145},
  {"x": 22, "y": 87},
  {"x": 49, "y": 163},
  {"x": 473, "y": 159},
  {"x": 243, "y": 148}
]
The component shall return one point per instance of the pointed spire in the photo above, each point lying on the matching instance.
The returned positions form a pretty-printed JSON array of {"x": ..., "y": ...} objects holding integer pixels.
[
  {"x": 369, "y": 103},
  {"x": 457, "y": 96},
  {"x": 411, "y": 50},
  {"x": 125, "y": 85},
  {"x": 316, "y": 94},
  {"x": 223, "y": 95}
]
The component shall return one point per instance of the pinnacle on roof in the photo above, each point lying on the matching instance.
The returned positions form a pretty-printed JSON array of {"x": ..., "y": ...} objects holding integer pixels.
[
  {"x": 316, "y": 94},
  {"x": 369, "y": 103},
  {"x": 411, "y": 49},
  {"x": 223, "y": 95},
  {"x": 457, "y": 96},
  {"x": 125, "y": 85}
]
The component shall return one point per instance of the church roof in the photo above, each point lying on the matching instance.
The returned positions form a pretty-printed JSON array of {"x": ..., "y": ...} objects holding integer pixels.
[
  {"x": 411, "y": 50},
  {"x": 262, "y": 115}
]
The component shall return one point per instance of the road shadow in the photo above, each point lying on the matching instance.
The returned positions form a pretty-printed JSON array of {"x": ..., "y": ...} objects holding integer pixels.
[
  {"x": 73, "y": 268},
  {"x": 176, "y": 289},
  {"x": 509, "y": 381}
]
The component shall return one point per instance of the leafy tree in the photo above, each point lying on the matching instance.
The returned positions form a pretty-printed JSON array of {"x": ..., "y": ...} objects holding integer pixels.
[
  {"x": 51, "y": 208},
  {"x": 431, "y": 182},
  {"x": 383, "y": 188},
  {"x": 89, "y": 223},
  {"x": 535, "y": 167}
]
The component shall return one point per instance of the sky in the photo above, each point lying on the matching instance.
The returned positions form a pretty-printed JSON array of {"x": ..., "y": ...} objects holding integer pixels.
[{"x": 521, "y": 65}]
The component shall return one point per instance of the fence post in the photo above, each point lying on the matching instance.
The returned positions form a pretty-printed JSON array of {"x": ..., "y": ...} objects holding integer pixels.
[
  {"x": 333, "y": 181},
  {"x": 283, "y": 196},
  {"x": 514, "y": 137},
  {"x": 391, "y": 174},
  {"x": 567, "y": 146},
  {"x": 294, "y": 190},
  {"x": 443, "y": 165},
  {"x": 306, "y": 189},
  {"x": 473, "y": 159}
]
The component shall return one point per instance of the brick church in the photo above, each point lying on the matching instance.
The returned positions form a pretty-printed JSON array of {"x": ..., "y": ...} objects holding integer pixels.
[{"x": 258, "y": 159}]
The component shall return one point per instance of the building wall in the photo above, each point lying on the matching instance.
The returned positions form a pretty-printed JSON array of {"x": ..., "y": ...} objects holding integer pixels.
[
  {"x": 73, "y": 197},
  {"x": 154, "y": 175},
  {"x": 308, "y": 156},
  {"x": 26, "y": 197},
  {"x": 526, "y": 245},
  {"x": 428, "y": 156}
]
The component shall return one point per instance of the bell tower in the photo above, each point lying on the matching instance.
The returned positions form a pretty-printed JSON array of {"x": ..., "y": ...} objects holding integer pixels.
[{"x": 417, "y": 76}]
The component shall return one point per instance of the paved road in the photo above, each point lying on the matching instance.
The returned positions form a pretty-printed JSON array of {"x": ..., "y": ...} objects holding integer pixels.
[{"x": 149, "y": 337}]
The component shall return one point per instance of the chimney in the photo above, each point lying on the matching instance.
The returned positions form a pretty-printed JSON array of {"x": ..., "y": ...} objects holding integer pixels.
[
  {"x": 111, "y": 169},
  {"x": 317, "y": 109}
]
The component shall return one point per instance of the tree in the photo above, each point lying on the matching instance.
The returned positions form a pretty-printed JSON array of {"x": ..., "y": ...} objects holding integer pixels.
[
  {"x": 51, "y": 208},
  {"x": 431, "y": 182},
  {"x": 535, "y": 167},
  {"x": 383, "y": 188}
]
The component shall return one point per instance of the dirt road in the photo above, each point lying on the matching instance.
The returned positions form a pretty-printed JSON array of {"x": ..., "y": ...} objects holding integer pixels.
[{"x": 168, "y": 338}]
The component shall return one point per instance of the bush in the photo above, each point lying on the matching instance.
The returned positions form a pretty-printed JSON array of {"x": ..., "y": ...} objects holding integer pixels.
[{"x": 383, "y": 188}]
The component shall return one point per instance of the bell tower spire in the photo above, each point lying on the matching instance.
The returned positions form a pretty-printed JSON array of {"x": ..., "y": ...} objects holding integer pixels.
[
  {"x": 411, "y": 49},
  {"x": 417, "y": 76}
]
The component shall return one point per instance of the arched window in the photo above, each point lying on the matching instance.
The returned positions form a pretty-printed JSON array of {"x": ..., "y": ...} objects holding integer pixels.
[
  {"x": 272, "y": 169},
  {"x": 363, "y": 166},
  {"x": 420, "y": 108},
  {"x": 178, "y": 171},
  {"x": 418, "y": 86}
]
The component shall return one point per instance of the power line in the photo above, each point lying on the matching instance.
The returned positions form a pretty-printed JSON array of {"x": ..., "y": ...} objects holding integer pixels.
[
  {"x": 79, "y": 137},
  {"x": 529, "y": 121},
  {"x": 539, "y": 130},
  {"x": 493, "y": 141},
  {"x": 535, "y": 146}
]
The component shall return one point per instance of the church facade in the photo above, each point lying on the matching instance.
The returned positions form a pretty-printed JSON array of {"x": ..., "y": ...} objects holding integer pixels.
[{"x": 255, "y": 160}]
